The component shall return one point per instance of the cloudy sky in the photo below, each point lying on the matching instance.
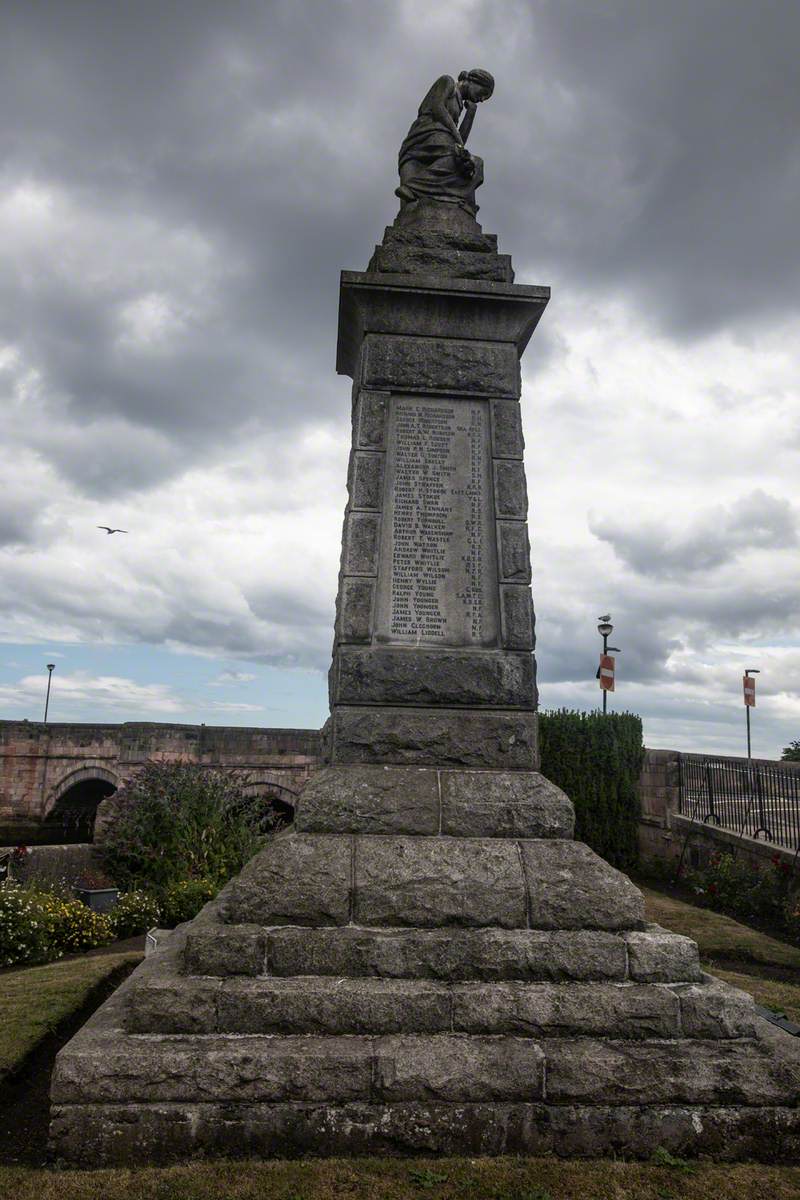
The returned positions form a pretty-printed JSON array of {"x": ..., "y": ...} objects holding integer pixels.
[{"x": 180, "y": 185}]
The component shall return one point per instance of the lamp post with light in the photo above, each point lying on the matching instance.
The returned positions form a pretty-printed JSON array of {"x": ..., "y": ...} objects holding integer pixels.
[
  {"x": 605, "y": 629},
  {"x": 750, "y": 700},
  {"x": 50, "y": 668}
]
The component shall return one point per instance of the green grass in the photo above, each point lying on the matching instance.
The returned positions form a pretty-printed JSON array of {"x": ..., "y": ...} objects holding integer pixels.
[
  {"x": 400, "y": 1179},
  {"x": 774, "y": 994},
  {"x": 719, "y": 937},
  {"x": 34, "y": 1000}
]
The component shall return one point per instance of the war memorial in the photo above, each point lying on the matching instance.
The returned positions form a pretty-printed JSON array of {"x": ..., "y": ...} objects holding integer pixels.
[{"x": 427, "y": 962}]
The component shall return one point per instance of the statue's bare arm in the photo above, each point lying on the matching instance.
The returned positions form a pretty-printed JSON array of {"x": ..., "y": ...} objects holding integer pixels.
[
  {"x": 437, "y": 99},
  {"x": 466, "y": 120}
]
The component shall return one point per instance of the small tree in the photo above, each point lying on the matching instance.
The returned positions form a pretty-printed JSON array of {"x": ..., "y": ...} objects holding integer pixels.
[
  {"x": 180, "y": 821},
  {"x": 791, "y": 753}
]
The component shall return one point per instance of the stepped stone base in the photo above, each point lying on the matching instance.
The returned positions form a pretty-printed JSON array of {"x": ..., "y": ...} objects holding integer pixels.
[{"x": 358, "y": 991}]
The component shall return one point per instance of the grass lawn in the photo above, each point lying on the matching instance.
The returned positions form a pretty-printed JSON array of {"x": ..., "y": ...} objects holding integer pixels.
[
  {"x": 34, "y": 1000},
  {"x": 718, "y": 937},
  {"x": 399, "y": 1179}
]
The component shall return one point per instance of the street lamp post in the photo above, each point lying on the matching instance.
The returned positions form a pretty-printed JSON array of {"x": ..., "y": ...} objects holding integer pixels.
[
  {"x": 50, "y": 668},
  {"x": 605, "y": 629},
  {"x": 748, "y": 704}
]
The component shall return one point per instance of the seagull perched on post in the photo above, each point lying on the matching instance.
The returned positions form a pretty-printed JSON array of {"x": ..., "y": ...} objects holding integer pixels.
[{"x": 108, "y": 529}]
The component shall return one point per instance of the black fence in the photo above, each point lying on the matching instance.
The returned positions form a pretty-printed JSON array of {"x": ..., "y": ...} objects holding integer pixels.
[{"x": 750, "y": 797}]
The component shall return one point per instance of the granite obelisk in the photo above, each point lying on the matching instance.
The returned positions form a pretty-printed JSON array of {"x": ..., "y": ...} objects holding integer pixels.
[{"x": 427, "y": 962}]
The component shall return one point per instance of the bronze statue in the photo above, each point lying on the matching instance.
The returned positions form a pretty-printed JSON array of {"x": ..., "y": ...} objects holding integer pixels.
[{"x": 434, "y": 161}]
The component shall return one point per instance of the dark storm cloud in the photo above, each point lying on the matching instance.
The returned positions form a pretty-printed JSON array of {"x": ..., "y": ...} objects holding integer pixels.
[
  {"x": 717, "y": 536},
  {"x": 645, "y": 148}
]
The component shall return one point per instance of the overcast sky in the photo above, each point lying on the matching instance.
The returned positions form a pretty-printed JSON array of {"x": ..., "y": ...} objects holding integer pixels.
[{"x": 181, "y": 183}]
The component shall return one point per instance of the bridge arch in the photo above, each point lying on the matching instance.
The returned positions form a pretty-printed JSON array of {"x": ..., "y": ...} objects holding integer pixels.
[
  {"x": 283, "y": 799},
  {"x": 73, "y": 802}
]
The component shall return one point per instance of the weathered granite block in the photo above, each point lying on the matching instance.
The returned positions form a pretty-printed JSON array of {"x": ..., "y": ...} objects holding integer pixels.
[
  {"x": 111, "y": 1069},
  {"x": 448, "y": 954},
  {"x": 516, "y": 610},
  {"x": 571, "y": 887},
  {"x": 504, "y": 804},
  {"x": 435, "y": 737},
  {"x": 667, "y": 1072},
  {"x": 173, "y": 1004},
  {"x": 362, "y": 532},
  {"x": 356, "y": 598},
  {"x": 370, "y": 420},
  {"x": 366, "y": 480},
  {"x": 297, "y": 879},
  {"x": 566, "y": 1010},
  {"x": 428, "y": 677},
  {"x": 429, "y": 364},
  {"x": 458, "y": 1069},
  {"x": 507, "y": 439},
  {"x": 514, "y": 551},
  {"x": 632, "y": 1131},
  {"x": 334, "y": 1006},
  {"x": 225, "y": 950},
  {"x": 712, "y": 1009},
  {"x": 359, "y": 799},
  {"x": 657, "y": 956},
  {"x": 429, "y": 882},
  {"x": 510, "y": 489}
]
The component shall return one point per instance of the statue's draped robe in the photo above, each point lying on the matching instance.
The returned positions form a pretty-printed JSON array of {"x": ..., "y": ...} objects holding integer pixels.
[{"x": 429, "y": 166}]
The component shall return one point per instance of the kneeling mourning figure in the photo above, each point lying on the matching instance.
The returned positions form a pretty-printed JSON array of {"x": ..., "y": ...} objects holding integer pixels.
[{"x": 427, "y": 961}]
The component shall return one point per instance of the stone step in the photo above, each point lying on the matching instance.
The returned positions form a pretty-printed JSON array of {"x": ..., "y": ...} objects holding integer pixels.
[
  {"x": 428, "y": 882},
  {"x": 324, "y": 1005},
  {"x": 102, "y": 1068},
  {"x": 124, "y": 1134},
  {"x": 652, "y": 955}
]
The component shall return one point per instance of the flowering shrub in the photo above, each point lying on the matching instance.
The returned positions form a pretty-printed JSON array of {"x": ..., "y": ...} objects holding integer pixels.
[
  {"x": 134, "y": 913},
  {"x": 23, "y": 936},
  {"x": 81, "y": 928},
  {"x": 183, "y": 900},
  {"x": 39, "y": 926},
  {"x": 769, "y": 894}
]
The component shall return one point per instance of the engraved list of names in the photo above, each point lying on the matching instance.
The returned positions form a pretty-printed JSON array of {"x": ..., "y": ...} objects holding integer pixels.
[{"x": 437, "y": 577}]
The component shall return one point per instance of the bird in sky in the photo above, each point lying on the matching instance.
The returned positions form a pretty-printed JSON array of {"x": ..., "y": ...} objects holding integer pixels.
[
  {"x": 607, "y": 617},
  {"x": 108, "y": 529}
]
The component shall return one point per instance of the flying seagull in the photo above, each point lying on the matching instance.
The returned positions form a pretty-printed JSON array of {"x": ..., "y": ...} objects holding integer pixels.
[{"x": 108, "y": 529}]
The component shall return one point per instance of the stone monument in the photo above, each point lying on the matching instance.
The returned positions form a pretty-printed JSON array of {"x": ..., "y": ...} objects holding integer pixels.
[{"x": 427, "y": 962}]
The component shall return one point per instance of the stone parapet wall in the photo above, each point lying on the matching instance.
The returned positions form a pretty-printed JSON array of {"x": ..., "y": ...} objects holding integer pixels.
[{"x": 664, "y": 832}]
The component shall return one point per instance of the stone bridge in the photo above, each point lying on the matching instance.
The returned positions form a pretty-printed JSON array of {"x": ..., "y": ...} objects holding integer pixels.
[{"x": 52, "y": 777}]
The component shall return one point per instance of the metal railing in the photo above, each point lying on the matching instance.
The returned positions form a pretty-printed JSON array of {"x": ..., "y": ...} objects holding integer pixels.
[{"x": 750, "y": 797}]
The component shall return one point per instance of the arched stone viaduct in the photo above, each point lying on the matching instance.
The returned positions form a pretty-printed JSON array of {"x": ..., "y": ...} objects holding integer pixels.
[{"x": 49, "y": 768}]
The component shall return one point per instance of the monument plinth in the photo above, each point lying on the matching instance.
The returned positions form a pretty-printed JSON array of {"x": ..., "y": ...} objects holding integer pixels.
[{"x": 427, "y": 962}]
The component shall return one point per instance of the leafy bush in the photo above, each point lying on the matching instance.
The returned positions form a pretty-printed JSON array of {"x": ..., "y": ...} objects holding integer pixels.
[
  {"x": 182, "y": 901},
  {"x": 180, "y": 821},
  {"x": 597, "y": 761},
  {"x": 134, "y": 913}
]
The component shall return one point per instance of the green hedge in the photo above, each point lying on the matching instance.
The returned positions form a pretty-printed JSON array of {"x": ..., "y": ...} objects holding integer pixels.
[{"x": 597, "y": 761}]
